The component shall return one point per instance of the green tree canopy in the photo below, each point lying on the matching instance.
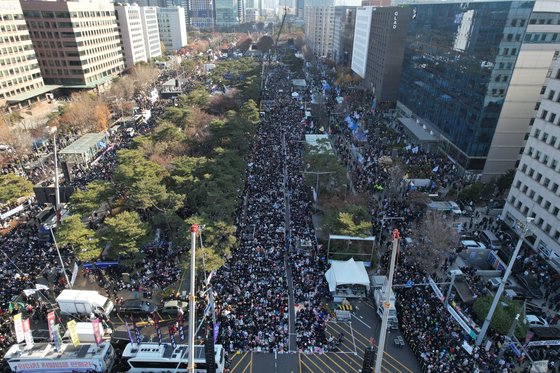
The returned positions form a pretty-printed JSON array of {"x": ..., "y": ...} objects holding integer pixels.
[
  {"x": 503, "y": 315},
  {"x": 85, "y": 202},
  {"x": 124, "y": 233},
  {"x": 13, "y": 187},
  {"x": 142, "y": 181},
  {"x": 74, "y": 233}
]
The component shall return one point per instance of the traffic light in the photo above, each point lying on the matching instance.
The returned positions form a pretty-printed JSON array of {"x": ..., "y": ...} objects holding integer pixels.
[{"x": 369, "y": 359}]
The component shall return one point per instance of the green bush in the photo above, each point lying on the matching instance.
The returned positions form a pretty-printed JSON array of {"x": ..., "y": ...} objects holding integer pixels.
[{"x": 503, "y": 315}]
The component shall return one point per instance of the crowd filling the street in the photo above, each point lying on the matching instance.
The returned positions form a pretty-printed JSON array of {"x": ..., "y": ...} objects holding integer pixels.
[{"x": 271, "y": 295}]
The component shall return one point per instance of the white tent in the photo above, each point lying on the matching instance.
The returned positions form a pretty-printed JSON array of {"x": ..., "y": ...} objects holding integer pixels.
[{"x": 347, "y": 272}]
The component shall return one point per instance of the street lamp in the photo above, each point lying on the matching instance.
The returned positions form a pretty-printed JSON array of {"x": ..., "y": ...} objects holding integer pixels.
[{"x": 501, "y": 288}]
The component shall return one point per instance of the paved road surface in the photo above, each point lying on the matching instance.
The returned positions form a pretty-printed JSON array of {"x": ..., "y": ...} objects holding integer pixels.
[{"x": 357, "y": 332}]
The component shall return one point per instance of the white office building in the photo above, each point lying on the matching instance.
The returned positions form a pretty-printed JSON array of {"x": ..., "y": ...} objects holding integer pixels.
[
  {"x": 319, "y": 29},
  {"x": 132, "y": 34},
  {"x": 172, "y": 27},
  {"x": 360, "y": 48},
  {"x": 151, "y": 31},
  {"x": 535, "y": 190}
]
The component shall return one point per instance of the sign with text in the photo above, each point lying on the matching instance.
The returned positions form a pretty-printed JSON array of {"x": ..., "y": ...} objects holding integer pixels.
[
  {"x": 27, "y": 333},
  {"x": 18, "y": 326}
]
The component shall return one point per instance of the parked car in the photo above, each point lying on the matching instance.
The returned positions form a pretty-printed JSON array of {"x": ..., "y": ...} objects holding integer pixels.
[
  {"x": 534, "y": 320},
  {"x": 137, "y": 307},
  {"x": 171, "y": 308},
  {"x": 471, "y": 244},
  {"x": 532, "y": 286}
]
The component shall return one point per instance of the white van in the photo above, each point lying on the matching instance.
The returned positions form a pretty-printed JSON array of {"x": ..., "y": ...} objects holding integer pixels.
[{"x": 490, "y": 239}]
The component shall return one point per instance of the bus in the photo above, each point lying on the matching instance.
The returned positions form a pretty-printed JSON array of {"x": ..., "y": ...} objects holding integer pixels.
[
  {"x": 43, "y": 357},
  {"x": 156, "y": 358}
]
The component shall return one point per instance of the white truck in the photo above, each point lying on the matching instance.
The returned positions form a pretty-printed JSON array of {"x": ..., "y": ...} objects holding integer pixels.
[{"x": 83, "y": 302}]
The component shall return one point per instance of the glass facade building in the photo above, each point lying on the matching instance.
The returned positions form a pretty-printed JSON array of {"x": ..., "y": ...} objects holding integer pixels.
[{"x": 459, "y": 61}]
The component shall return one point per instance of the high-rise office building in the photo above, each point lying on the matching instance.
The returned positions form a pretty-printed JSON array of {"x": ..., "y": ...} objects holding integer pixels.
[
  {"x": 535, "y": 190},
  {"x": 474, "y": 70},
  {"x": 172, "y": 27},
  {"x": 151, "y": 31},
  {"x": 129, "y": 20},
  {"x": 379, "y": 44},
  {"x": 226, "y": 12},
  {"x": 343, "y": 34},
  {"x": 20, "y": 76},
  {"x": 319, "y": 24},
  {"x": 185, "y": 4},
  {"x": 202, "y": 13},
  {"x": 77, "y": 42}
]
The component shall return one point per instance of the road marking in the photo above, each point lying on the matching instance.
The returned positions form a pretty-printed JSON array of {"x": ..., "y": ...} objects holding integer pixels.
[
  {"x": 299, "y": 361},
  {"x": 386, "y": 361},
  {"x": 353, "y": 316},
  {"x": 398, "y": 362},
  {"x": 353, "y": 339},
  {"x": 318, "y": 367},
  {"x": 307, "y": 366},
  {"x": 335, "y": 363},
  {"x": 240, "y": 360},
  {"x": 366, "y": 303},
  {"x": 349, "y": 356},
  {"x": 251, "y": 371}
]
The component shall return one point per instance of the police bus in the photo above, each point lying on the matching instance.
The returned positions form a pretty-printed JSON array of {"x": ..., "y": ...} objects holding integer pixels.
[
  {"x": 155, "y": 358},
  {"x": 43, "y": 357}
]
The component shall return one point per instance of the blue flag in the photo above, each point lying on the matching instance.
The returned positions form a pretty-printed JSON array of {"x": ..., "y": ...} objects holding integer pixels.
[{"x": 138, "y": 335}]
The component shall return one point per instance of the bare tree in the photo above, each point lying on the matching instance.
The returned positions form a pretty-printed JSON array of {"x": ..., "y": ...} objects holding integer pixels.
[
  {"x": 144, "y": 76},
  {"x": 435, "y": 238},
  {"x": 85, "y": 113}
]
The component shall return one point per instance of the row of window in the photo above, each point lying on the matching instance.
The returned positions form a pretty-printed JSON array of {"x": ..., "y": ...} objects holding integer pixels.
[
  {"x": 539, "y": 221},
  {"x": 538, "y": 177},
  {"x": 541, "y": 37},
  {"x": 17, "y": 59},
  {"x": 16, "y": 91},
  {"x": 49, "y": 14},
  {"x": 16, "y": 70}
]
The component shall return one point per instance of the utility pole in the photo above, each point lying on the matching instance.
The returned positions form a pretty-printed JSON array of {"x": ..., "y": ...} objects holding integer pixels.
[
  {"x": 486, "y": 324},
  {"x": 386, "y": 299},
  {"x": 192, "y": 298},
  {"x": 68, "y": 284}
]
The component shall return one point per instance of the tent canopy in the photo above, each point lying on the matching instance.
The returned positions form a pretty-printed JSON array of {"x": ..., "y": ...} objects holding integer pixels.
[{"x": 347, "y": 272}]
